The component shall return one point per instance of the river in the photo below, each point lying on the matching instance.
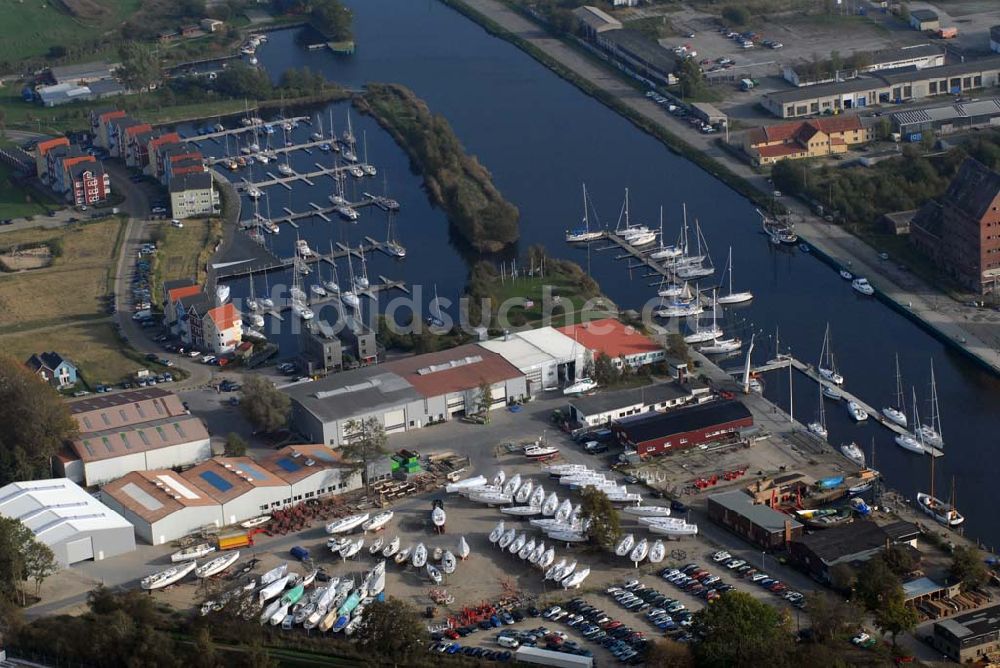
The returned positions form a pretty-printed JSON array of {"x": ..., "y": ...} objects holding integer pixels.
[{"x": 541, "y": 138}]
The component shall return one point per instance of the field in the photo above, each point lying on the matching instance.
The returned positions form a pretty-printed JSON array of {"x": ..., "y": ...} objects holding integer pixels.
[
  {"x": 563, "y": 304},
  {"x": 14, "y": 201},
  {"x": 29, "y": 29},
  {"x": 72, "y": 288},
  {"x": 182, "y": 253},
  {"x": 94, "y": 347}
]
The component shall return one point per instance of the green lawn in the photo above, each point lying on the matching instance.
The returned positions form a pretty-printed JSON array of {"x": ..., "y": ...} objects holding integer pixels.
[
  {"x": 565, "y": 298},
  {"x": 14, "y": 201},
  {"x": 29, "y": 27}
]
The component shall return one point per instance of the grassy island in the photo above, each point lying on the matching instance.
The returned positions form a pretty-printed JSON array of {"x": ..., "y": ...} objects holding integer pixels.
[{"x": 456, "y": 181}]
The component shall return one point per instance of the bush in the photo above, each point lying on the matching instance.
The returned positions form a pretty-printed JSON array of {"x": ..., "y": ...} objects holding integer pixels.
[{"x": 738, "y": 16}]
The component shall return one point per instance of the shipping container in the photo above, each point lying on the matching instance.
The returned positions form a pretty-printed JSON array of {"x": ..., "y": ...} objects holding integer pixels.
[{"x": 235, "y": 541}]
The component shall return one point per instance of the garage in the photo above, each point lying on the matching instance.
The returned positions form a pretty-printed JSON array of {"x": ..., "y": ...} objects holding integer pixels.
[
  {"x": 81, "y": 549},
  {"x": 394, "y": 421}
]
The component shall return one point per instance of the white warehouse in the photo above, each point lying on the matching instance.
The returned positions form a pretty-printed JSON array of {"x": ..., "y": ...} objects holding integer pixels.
[
  {"x": 141, "y": 430},
  {"x": 547, "y": 357},
  {"x": 74, "y": 525}
]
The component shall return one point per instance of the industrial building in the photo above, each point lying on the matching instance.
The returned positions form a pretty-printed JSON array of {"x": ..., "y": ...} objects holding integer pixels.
[
  {"x": 854, "y": 544},
  {"x": 601, "y": 409},
  {"x": 887, "y": 86},
  {"x": 406, "y": 393},
  {"x": 766, "y": 528},
  {"x": 913, "y": 124},
  {"x": 624, "y": 344},
  {"x": 132, "y": 431},
  {"x": 917, "y": 56},
  {"x": 924, "y": 19},
  {"x": 164, "y": 506},
  {"x": 76, "y": 526},
  {"x": 546, "y": 357},
  {"x": 970, "y": 637},
  {"x": 660, "y": 433}
]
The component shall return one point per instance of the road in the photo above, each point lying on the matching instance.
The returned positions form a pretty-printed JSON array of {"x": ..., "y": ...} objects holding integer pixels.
[{"x": 960, "y": 324}]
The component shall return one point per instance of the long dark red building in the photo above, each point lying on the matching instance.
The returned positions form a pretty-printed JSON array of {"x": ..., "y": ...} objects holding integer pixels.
[{"x": 659, "y": 433}]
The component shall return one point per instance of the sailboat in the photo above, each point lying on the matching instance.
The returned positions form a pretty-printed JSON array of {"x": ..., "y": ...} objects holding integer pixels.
[
  {"x": 284, "y": 168},
  {"x": 664, "y": 252},
  {"x": 697, "y": 269},
  {"x": 251, "y": 301},
  {"x": 827, "y": 368},
  {"x": 702, "y": 335},
  {"x": 434, "y": 317},
  {"x": 931, "y": 433},
  {"x": 266, "y": 302},
  {"x": 942, "y": 512},
  {"x": 636, "y": 235},
  {"x": 854, "y": 453},
  {"x": 348, "y": 296},
  {"x": 331, "y": 286},
  {"x": 734, "y": 297},
  {"x": 584, "y": 233},
  {"x": 819, "y": 427},
  {"x": 897, "y": 413},
  {"x": 348, "y": 133},
  {"x": 349, "y": 141},
  {"x": 913, "y": 442},
  {"x": 721, "y": 346},
  {"x": 393, "y": 247},
  {"x": 318, "y": 135},
  {"x": 367, "y": 167},
  {"x": 361, "y": 282}
]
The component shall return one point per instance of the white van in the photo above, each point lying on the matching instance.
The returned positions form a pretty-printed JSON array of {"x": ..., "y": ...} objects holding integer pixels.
[{"x": 508, "y": 642}]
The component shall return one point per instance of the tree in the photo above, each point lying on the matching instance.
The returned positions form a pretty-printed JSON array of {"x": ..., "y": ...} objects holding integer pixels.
[
  {"x": 967, "y": 568},
  {"x": 204, "y": 654},
  {"x": 843, "y": 577},
  {"x": 666, "y": 653},
  {"x": 257, "y": 656},
  {"x": 263, "y": 404},
  {"x": 789, "y": 176},
  {"x": 485, "y": 399},
  {"x": 736, "y": 15},
  {"x": 904, "y": 12},
  {"x": 605, "y": 372},
  {"x": 332, "y": 19},
  {"x": 690, "y": 76},
  {"x": 14, "y": 541},
  {"x": 739, "y": 630},
  {"x": 678, "y": 347},
  {"x": 235, "y": 445},
  {"x": 605, "y": 523},
  {"x": 34, "y": 423},
  {"x": 894, "y": 616},
  {"x": 140, "y": 68},
  {"x": 899, "y": 559},
  {"x": 830, "y": 617},
  {"x": 366, "y": 442},
  {"x": 836, "y": 62},
  {"x": 391, "y": 629},
  {"x": 878, "y": 588},
  {"x": 39, "y": 563}
]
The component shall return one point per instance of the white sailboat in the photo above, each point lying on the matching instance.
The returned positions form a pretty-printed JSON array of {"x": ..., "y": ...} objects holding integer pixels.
[
  {"x": 583, "y": 234},
  {"x": 349, "y": 297},
  {"x": 913, "y": 442},
  {"x": 251, "y": 302},
  {"x": 853, "y": 452},
  {"x": 580, "y": 386},
  {"x": 943, "y": 512},
  {"x": 637, "y": 235},
  {"x": 624, "y": 545},
  {"x": 217, "y": 565},
  {"x": 827, "y": 367},
  {"x": 703, "y": 335},
  {"x": 721, "y": 346},
  {"x": 858, "y": 414},
  {"x": 931, "y": 433},
  {"x": 393, "y": 247},
  {"x": 897, "y": 413},
  {"x": 734, "y": 297},
  {"x": 193, "y": 552},
  {"x": 361, "y": 282},
  {"x": 169, "y": 576},
  {"x": 434, "y": 318},
  {"x": 819, "y": 427},
  {"x": 366, "y": 167},
  {"x": 345, "y": 524},
  {"x": 664, "y": 252},
  {"x": 647, "y": 511},
  {"x": 697, "y": 269}
]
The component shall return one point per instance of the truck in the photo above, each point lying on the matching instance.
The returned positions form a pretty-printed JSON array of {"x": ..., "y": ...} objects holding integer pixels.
[
  {"x": 546, "y": 657},
  {"x": 236, "y": 539},
  {"x": 299, "y": 552}
]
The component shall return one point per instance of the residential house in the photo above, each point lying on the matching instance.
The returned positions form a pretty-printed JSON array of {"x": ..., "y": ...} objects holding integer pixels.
[
  {"x": 807, "y": 139},
  {"x": 181, "y": 162},
  {"x": 53, "y": 368},
  {"x": 137, "y": 154},
  {"x": 189, "y": 312},
  {"x": 193, "y": 195},
  {"x": 90, "y": 184},
  {"x": 153, "y": 147},
  {"x": 130, "y": 138},
  {"x": 58, "y": 163},
  {"x": 222, "y": 329},
  {"x": 42, "y": 149},
  {"x": 960, "y": 232},
  {"x": 211, "y": 25},
  {"x": 173, "y": 291},
  {"x": 100, "y": 123}
]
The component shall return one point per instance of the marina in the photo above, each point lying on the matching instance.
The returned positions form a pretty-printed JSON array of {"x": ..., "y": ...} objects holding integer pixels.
[{"x": 267, "y": 262}]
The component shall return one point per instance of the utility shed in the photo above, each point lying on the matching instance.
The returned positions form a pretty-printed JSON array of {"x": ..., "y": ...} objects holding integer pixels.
[
  {"x": 709, "y": 113},
  {"x": 76, "y": 526},
  {"x": 757, "y": 523}
]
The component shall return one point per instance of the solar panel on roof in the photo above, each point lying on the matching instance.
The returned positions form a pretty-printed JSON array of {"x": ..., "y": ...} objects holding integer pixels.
[
  {"x": 254, "y": 473},
  {"x": 288, "y": 464},
  {"x": 216, "y": 481},
  {"x": 325, "y": 456}
]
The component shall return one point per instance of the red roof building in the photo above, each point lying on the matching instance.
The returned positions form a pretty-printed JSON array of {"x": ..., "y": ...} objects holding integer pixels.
[
  {"x": 807, "y": 139},
  {"x": 44, "y": 147},
  {"x": 617, "y": 340}
]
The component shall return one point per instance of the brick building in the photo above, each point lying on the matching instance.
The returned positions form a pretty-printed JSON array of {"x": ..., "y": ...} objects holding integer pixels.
[
  {"x": 960, "y": 231},
  {"x": 660, "y": 433},
  {"x": 807, "y": 139},
  {"x": 90, "y": 183}
]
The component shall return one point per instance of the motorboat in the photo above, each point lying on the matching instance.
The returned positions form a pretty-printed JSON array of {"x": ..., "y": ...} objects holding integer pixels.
[
  {"x": 657, "y": 552},
  {"x": 477, "y": 481},
  {"x": 863, "y": 286},
  {"x": 624, "y": 545},
  {"x": 403, "y": 556},
  {"x": 506, "y": 539},
  {"x": 217, "y": 565},
  {"x": 858, "y": 414},
  {"x": 517, "y": 544},
  {"x": 941, "y": 511},
  {"x": 536, "y": 451},
  {"x": 721, "y": 346},
  {"x": 463, "y": 548},
  {"x": 169, "y": 576},
  {"x": 497, "y": 533},
  {"x": 448, "y": 563},
  {"x": 491, "y": 498},
  {"x": 639, "y": 552},
  {"x": 576, "y": 579},
  {"x": 522, "y": 511},
  {"x": 346, "y": 524},
  {"x": 391, "y": 548},
  {"x": 647, "y": 511},
  {"x": 273, "y": 589},
  {"x": 580, "y": 386},
  {"x": 524, "y": 491},
  {"x": 846, "y": 275},
  {"x": 194, "y": 552},
  {"x": 377, "y": 522},
  {"x": 854, "y": 453},
  {"x": 419, "y": 556},
  {"x": 433, "y": 573},
  {"x": 438, "y": 516}
]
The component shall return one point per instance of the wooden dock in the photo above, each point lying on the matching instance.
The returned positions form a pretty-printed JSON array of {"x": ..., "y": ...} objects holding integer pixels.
[
  {"x": 810, "y": 372},
  {"x": 291, "y": 217},
  {"x": 369, "y": 245},
  {"x": 332, "y": 172},
  {"x": 315, "y": 303},
  {"x": 245, "y": 128}
]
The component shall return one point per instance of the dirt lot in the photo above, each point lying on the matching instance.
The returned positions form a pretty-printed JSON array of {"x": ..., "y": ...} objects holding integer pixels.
[{"x": 32, "y": 258}]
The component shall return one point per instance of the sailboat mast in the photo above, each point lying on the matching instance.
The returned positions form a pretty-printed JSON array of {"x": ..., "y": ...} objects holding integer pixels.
[
  {"x": 586, "y": 215},
  {"x": 730, "y": 270},
  {"x": 935, "y": 411},
  {"x": 900, "y": 402}
]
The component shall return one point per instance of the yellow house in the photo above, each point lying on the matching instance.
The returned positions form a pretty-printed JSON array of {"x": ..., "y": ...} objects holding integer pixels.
[
  {"x": 807, "y": 139},
  {"x": 222, "y": 329}
]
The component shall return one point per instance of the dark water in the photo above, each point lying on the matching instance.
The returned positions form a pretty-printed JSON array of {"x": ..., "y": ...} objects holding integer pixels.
[{"x": 541, "y": 137}]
